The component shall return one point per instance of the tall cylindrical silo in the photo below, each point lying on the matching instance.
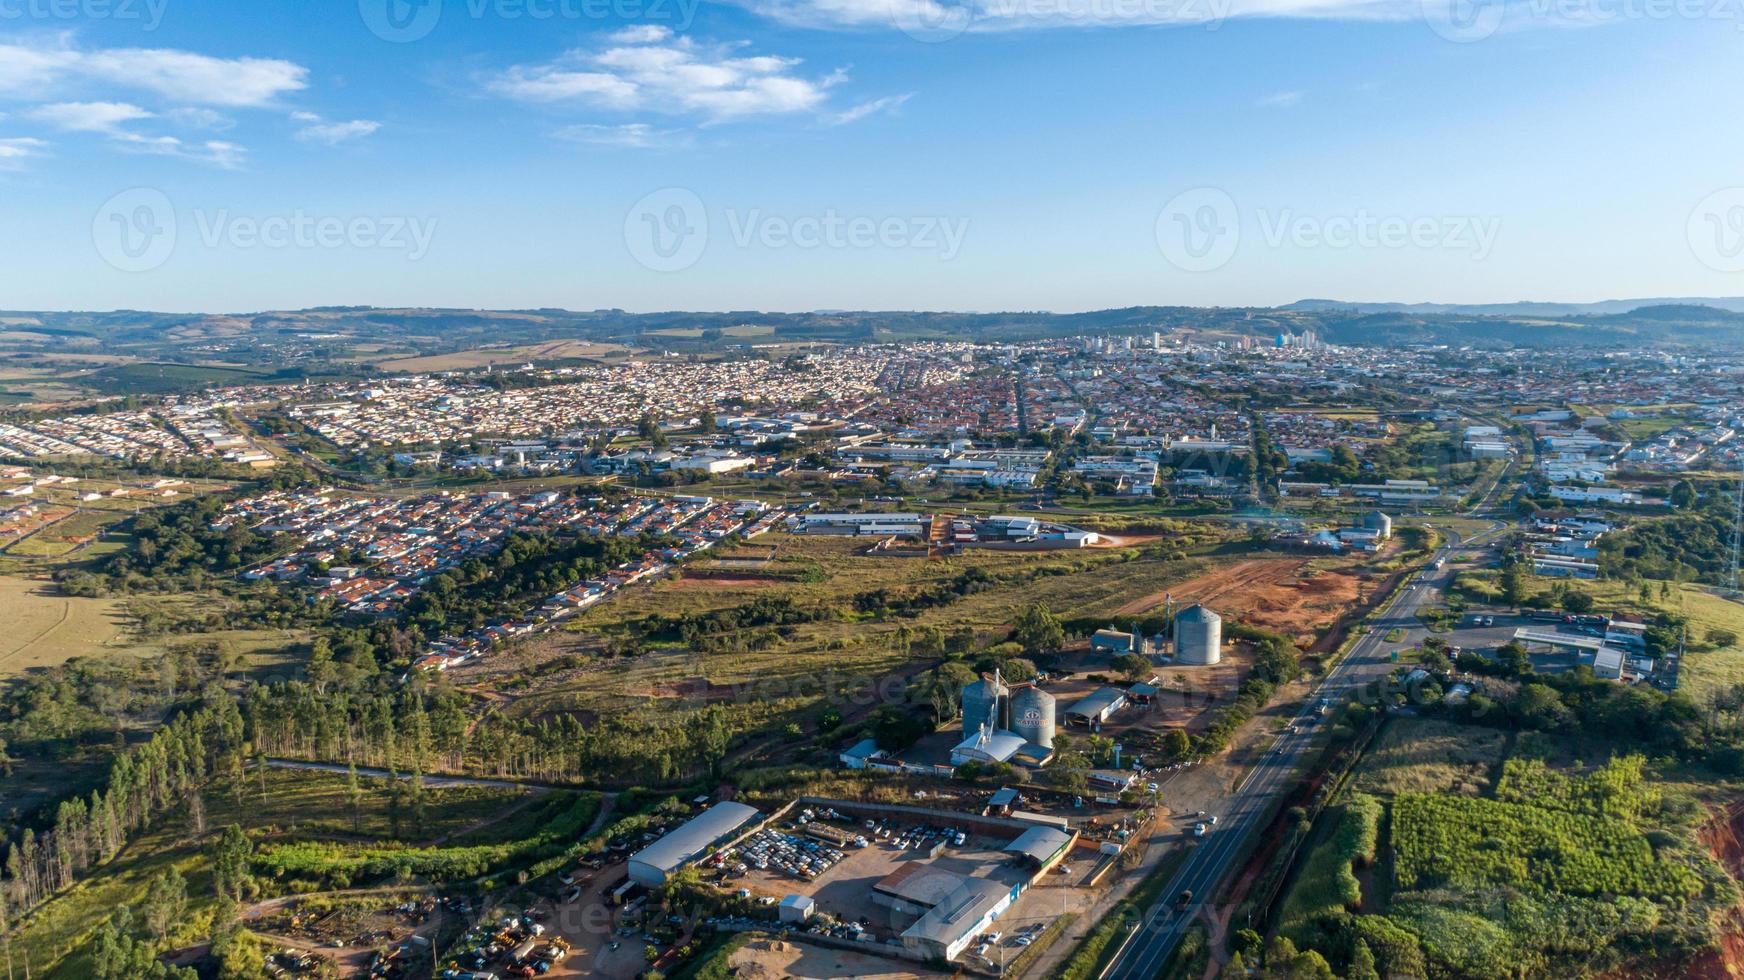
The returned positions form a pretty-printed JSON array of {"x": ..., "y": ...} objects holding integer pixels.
[
  {"x": 1198, "y": 636},
  {"x": 985, "y": 703},
  {"x": 1032, "y": 715}
]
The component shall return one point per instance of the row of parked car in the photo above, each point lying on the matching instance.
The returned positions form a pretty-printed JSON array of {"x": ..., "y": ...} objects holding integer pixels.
[{"x": 796, "y": 857}]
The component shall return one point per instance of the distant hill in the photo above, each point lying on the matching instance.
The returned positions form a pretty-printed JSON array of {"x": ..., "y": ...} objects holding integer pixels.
[
  {"x": 1606, "y": 307},
  {"x": 344, "y": 340}
]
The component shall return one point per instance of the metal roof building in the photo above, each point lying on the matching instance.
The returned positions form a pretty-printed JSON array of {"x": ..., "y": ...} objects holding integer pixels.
[
  {"x": 1040, "y": 845},
  {"x": 1096, "y": 707},
  {"x": 652, "y": 864},
  {"x": 949, "y": 927}
]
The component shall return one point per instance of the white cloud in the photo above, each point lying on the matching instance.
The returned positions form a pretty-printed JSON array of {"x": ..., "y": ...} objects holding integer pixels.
[
  {"x": 27, "y": 70},
  {"x": 88, "y": 117},
  {"x": 640, "y": 136},
  {"x": 648, "y": 69},
  {"x": 940, "y": 19},
  {"x": 1281, "y": 100},
  {"x": 641, "y": 34},
  {"x": 194, "y": 117},
  {"x": 109, "y": 119},
  {"x": 870, "y": 108},
  {"x": 15, "y": 150},
  {"x": 318, "y": 130}
]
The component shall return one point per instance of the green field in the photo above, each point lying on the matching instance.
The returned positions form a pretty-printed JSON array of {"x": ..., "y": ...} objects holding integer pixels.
[{"x": 1491, "y": 861}]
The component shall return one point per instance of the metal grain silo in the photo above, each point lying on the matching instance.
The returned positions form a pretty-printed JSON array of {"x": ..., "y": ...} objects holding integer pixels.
[
  {"x": 986, "y": 702},
  {"x": 1032, "y": 715},
  {"x": 1198, "y": 636}
]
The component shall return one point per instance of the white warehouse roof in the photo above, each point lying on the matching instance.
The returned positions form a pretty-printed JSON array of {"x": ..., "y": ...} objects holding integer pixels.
[{"x": 653, "y": 863}]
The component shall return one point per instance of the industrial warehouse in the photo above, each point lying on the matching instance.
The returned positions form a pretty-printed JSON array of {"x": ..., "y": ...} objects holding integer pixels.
[{"x": 916, "y": 883}]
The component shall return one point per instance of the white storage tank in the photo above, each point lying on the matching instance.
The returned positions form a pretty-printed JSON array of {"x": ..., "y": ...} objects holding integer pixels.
[{"x": 1198, "y": 636}]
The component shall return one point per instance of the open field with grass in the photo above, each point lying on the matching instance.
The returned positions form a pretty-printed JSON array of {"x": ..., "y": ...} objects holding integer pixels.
[
  {"x": 45, "y": 628},
  {"x": 1416, "y": 755},
  {"x": 1081, "y": 583},
  {"x": 300, "y": 804}
]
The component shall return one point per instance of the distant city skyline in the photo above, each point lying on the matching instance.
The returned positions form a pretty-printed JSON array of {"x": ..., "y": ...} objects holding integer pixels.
[{"x": 790, "y": 155}]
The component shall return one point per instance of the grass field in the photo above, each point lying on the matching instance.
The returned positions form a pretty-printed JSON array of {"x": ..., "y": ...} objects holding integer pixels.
[
  {"x": 1416, "y": 755},
  {"x": 45, "y": 628},
  {"x": 1076, "y": 584}
]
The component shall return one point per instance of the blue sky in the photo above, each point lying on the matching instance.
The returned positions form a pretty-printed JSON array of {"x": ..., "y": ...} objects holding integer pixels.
[{"x": 881, "y": 154}]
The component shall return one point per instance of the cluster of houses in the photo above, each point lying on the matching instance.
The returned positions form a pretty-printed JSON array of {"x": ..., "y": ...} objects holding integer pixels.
[
  {"x": 1565, "y": 545},
  {"x": 172, "y": 433},
  {"x": 394, "y": 546},
  {"x": 698, "y": 525}
]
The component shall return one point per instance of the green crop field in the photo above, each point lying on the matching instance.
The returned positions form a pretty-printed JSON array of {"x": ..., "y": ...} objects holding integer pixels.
[{"x": 1474, "y": 841}]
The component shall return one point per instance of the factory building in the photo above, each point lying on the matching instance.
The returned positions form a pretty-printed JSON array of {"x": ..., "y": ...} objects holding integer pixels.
[
  {"x": 1198, "y": 636},
  {"x": 950, "y": 926},
  {"x": 1041, "y": 847},
  {"x": 653, "y": 864}
]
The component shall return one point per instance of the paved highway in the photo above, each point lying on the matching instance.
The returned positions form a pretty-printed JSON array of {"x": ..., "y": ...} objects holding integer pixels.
[{"x": 1147, "y": 948}]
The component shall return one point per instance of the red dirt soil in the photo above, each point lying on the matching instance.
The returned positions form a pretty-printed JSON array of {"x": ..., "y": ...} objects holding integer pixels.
[
  {"x": 1268, "y": 593},
  {"x": 1724, "y": 837}
]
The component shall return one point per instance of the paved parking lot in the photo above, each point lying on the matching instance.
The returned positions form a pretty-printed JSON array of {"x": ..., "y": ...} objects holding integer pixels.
[
  {"x": 1469, "y": 636},
  {"x": 845, "y": 890}
]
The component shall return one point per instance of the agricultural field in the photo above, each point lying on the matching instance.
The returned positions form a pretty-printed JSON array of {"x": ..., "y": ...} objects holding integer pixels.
[
  {"x": 466, "y": 360},
  {"x": 1488, "y": 859}
]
